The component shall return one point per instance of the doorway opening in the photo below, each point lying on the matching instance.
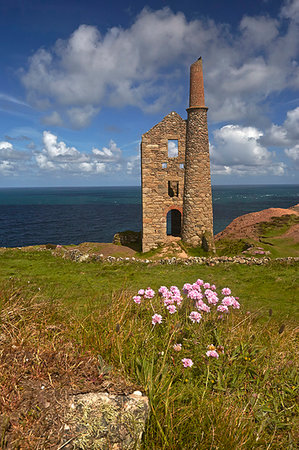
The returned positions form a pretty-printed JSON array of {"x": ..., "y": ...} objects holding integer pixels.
[{"x": 173, "y": 221}]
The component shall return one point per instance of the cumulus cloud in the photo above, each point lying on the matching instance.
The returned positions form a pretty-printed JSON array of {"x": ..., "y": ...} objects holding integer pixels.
[
  {"x": 111, "y": 153},
  {"x": 5, "y": 145},
  {"x": 10, "y": 158},
  {"x": 129, "y": 66},
  {"x": 285, "y": 134},
  {"x": 58, "y": 157},
  {"x": 237, "y": 151},
  {"x": 58, "y": 150}
]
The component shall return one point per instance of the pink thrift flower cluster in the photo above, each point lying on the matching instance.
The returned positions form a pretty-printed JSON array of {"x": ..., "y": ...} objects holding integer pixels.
[
  {"x": 156, "y": 318},
  {"x": 212, "y": 354},
  {"x": 195, "y": 316},
  {"x": 172, "y": 298},
  {"x": 203, "y": 297},
  {"x": 144, "y": 293},
  {"x": 187, "y": 362},
  {"x": 177, "y": 347}
]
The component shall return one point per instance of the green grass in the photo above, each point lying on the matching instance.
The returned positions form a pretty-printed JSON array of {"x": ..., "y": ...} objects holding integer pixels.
[
  {"x": 272, "y": 286},
  {"x": 277, "y": 226},
  {"x": 245, "y": 399}
]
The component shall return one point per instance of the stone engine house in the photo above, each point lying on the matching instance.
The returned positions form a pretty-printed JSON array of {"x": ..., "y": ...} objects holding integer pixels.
[{"x": 175, "y": 175}]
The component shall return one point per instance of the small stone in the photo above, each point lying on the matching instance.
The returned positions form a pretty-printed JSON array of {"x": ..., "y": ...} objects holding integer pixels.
[{"x": 137, "y": 393}]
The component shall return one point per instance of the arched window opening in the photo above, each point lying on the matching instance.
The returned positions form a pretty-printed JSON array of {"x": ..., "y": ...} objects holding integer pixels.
[{"x": 173, "y": 221}]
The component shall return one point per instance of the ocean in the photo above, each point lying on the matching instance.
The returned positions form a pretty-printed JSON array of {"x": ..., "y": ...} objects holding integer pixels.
[{"x": 70, "y": 215}]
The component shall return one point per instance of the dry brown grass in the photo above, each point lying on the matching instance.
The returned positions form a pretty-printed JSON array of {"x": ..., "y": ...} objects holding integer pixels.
[{"x": 41, "y": 365}]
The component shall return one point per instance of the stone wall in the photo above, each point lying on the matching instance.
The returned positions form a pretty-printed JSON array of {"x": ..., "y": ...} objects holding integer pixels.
[{"x": 162, "y": 187}]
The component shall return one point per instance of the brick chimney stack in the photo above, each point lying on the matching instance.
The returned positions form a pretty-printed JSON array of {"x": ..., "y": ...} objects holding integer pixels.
[
  {"x": 197, "y": 204},
  {"x": 196, "y": 94}
]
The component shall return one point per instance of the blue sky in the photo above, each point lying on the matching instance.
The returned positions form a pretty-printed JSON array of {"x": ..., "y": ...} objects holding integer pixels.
[{"x": 81, "y": 82}]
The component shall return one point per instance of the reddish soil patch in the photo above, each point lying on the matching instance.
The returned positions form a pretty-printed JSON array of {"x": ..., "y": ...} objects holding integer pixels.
[
  {"x": 105, "y": 249},
  {"x": 245, "y": 226}
]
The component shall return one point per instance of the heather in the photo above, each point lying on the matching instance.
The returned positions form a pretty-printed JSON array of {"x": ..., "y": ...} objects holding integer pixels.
[{"x": 216, "y": 378}]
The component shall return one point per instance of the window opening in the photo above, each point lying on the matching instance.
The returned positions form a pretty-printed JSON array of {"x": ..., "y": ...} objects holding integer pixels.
[
  {"x": 164, "y": 165},
  {"x": 173, "y": 148},
  {"x": 173, "y": 188},
  {"x": 181, "y": 165},
  {"x": 173, "y": 222}
]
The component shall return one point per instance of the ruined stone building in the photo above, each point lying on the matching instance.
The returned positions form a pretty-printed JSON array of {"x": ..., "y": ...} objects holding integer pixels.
[{"x": 175, "y": 175}]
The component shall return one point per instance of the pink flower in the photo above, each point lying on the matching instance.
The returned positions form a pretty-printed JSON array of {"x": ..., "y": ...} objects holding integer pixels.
[
  {"x": 149, "y": 293},
  {"x": 202, "y": 306},
  {"x": 157, "y": 318},
  {"x": 209, "y": 292},
  {"x": 213, "y": 299},
  {"x": 199, "y": 282},
  {"x": 187, "y": 287},
  {"x": 213, "y": 287},
  {"x": 168, "y": 301},
  {"x": 206, "y": 286},
  {"x": 226, "y": 291},
  {"x": 175, "y": 290},
  {"x": 137, "y": 299},
  {"x": 178, "y": 299},
  {"x": 141, "y": 292},
  {"x": 222, "y": 308},
  {"x": 177, "y": 347},
  {"x": 227, "y": 301},
  {"x": 172, "y": 309},
  {"x": 235, "y": 304},
  {"x": 195, "y": 295},
  {"x": 187, "y": 362},
  {"x": 212, "y": 354},
  {"x": 195, "y": 316},
  {"x": 163, "y": 290}
]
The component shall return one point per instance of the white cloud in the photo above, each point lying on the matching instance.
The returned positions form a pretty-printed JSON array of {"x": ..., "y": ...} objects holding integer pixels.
[
  {"x": 293, "y": 154},
  {"x": 237, "y": 151},
  {"x": 53, "y": 119},
  {"x": 172, "y": 149},
  {"x": 44, "y": 163},
  {"x": 11, "y": 159},
  {"x": 111, "y": 153},
  {"x": 57, "y": 157},
  {"x": 291, "y": 10},
  {"x": 56, "y": 150},
  {"x": 6, "y": 167},
  {"x": 128, "y": 66},
  {"x": 5, "y": 145},
  {"x": 81, "y": 117},
  {"x": 285, "y": 134}
]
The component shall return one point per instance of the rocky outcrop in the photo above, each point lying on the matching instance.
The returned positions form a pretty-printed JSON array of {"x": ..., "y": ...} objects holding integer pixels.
[
  {"x": 127, "y": 237},
  {"x": 247, "y": 226},
  {"x": 103, "y": 421}
]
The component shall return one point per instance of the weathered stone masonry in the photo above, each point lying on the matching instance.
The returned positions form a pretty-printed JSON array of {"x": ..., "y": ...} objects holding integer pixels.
[{"x": 178, "y": 186}]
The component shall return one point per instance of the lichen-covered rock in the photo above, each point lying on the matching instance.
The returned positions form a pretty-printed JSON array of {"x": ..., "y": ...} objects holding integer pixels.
[
  {"x": 103, "y": 421},
  {"x": 126, "y": 237}
]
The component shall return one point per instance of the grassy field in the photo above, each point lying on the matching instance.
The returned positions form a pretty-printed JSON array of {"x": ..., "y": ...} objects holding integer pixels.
[{"x": 243, "y": 399}]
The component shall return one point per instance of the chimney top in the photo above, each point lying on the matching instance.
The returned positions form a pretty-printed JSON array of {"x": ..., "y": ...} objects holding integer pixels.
[{"x": 196, "y": 95}]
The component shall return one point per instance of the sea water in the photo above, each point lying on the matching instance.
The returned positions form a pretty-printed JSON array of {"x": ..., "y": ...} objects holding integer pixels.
[{"x": 70, "y": 215}]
